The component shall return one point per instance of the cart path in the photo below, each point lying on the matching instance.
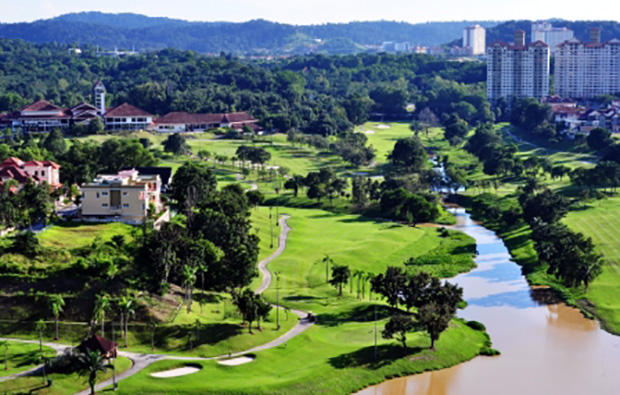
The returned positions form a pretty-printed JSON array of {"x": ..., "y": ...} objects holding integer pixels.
[{"x": 141, "y": 361}]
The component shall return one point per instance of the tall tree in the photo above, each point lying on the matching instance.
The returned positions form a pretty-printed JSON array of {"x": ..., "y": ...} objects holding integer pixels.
[
  {"x": 89, "y": 365},
  {"x": 340, "y": 276},
  {"x": 56, "y": 304},
  {"x": 398, "y": 326}
]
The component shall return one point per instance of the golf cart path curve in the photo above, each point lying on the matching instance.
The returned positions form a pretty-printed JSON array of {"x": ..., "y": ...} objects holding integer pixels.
[
  {"x": 58, "y": 347},
  {"x": 141, "y": 361}
]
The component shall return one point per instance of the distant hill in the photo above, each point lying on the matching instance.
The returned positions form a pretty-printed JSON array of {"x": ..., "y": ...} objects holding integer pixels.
[{"x": 256, "y": 36}]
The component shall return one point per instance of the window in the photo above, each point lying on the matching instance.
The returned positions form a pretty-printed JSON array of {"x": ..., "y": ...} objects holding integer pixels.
[
  {"x": 42, "y": 173},
  {"x": 97, "y": 195},
  {"x": 125, "y": 205},
  {"x": 104, "y": 194},
  {"x": 104, "y": 205},
  {"x": 125, "y": 193}
]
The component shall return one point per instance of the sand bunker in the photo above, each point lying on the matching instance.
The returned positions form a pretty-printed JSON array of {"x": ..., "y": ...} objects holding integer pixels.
[
  {"x": 176, "y": 372},
  {"x": 369, "y": 132},
  {"x": 383, "y": 126},
  {"x": 236, "y": 361}
]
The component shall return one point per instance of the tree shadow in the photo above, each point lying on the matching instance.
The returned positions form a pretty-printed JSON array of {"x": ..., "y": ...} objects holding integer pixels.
[
  {"x": 300, "y": 298},
  {"x": 365, "y": 357},
  {"x": 207, "y": 298},
  {"x": 365, "y": 313}
]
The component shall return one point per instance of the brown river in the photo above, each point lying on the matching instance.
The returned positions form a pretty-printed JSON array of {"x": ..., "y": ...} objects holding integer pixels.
[{"x": 547, "y": 347}]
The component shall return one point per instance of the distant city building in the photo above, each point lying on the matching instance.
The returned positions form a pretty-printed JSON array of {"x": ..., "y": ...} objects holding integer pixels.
[
  {"x": 517, "y": 70},
  {"x": 474, "y": 38},
  {"x": 393, "y": 47},
  {"x": 586, "y": 70},
  {"x": 552, "y": 36}
]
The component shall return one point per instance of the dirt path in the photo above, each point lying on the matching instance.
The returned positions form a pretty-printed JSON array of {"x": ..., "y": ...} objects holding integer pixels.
[{"x": 141, "y": 361}]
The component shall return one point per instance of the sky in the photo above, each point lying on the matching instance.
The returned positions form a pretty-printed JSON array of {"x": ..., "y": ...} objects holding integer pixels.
[{"x": 317, "y": 11}]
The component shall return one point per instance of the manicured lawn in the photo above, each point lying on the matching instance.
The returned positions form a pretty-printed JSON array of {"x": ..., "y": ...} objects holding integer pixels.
[
  {"x": 358, "y": 242},
  {"x": 79, "y": 234},
  {"x": 22, "y": 356},
  {"x": 601, "y": 222},
  {"x": 383, "y": 139},
  {"x": 61, "y": 383},
  {"x": 328, "y": 359}
]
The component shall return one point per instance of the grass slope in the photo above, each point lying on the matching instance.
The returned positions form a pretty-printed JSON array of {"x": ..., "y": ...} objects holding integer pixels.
[
  {"x": 61, "y": 383},
  {"x": 21, "y": 357}
]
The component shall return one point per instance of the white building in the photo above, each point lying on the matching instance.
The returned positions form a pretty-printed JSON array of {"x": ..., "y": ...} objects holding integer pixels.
[
  {"x": 474, "y": 37},
  {"x": 586, "y": 70},
  {"x": 517, "y": 70},
  {"x": 552, "y": 36},
  {"x": 124, "y": 197}
]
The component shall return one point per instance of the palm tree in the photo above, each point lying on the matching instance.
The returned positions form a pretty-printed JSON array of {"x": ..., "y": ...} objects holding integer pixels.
[
  {"x": 89, "y": 364},
  {"x": 56, "y": 303},
  {"x": 40, "y": 328},
  {"x": 101, "y": 305},
  {"x": 358, "y": 274},
  {"x": 127, "y": 306},
  {"x": 189, "y": 279}
]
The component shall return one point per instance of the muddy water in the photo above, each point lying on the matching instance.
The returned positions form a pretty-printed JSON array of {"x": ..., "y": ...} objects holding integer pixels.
[{"x": 547, "y": 347}]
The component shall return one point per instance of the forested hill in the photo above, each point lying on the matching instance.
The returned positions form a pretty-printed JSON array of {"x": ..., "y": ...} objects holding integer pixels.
[
  {"x": 258, "y": 36},
  {"x": 505, "y": 31}
]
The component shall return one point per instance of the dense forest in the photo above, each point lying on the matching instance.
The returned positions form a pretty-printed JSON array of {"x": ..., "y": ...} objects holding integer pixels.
[
  {"x": 314, "y": 94},
  {"x": 257, "y": 36}
]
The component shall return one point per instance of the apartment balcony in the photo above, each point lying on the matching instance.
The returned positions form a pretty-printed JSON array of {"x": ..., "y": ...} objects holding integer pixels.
[{"x": 116, "y": 209}]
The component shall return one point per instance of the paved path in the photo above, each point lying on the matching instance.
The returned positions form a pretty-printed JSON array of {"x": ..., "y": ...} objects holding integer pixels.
[
  {"x": 141, "y": 361},
  {"x": 60, "y": 348}
]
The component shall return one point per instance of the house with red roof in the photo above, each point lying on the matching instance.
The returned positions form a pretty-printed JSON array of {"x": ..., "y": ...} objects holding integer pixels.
[
  {"x": 36, "y": 171},
  {"x": 175, "y": 122}
]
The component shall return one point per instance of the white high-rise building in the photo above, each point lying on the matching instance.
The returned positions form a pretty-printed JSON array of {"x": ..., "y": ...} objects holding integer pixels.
[
  {"x": 518, "y": 70},
  {"x": 552, "y": 36},
  {"x": 586, "y": 70},
  {"x": 474, "y": 37}
]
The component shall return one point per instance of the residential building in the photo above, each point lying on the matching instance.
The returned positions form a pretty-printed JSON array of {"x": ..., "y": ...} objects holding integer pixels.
[
  {"x": 393, "y": 47},
  {"x": 552, "y": 36},
  {"x": 587, "y": 70},
  {"x": 35, "y": 171},
  {"x": 517, "y": 70},
  {"x": 474, "y": 38},
  {"x": 174, "y": 122},
  {"x": 124, "y": 197}
]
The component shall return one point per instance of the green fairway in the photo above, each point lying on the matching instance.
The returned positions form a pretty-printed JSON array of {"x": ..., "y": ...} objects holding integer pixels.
[
  {"x": 61, "y": 383},
  {"x": 382, "y": 138},
  {"x": 358, "y": 242},
  {"x": 601, "y": 222},
  {"x": 325, "y": 359},
  {"x": 79, "y": 234},
  {"x": 22, "y": 356}
]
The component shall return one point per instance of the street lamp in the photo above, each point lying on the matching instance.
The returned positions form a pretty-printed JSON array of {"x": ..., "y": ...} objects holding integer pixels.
[
  {"x": 277, "y": 301},
  {"x": 271, "y": 227},
  {"x": 277, "y": 215},
  {"x": 114, "y": 384}
]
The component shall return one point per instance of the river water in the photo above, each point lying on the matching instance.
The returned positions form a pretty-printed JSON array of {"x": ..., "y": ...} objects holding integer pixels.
[{"x": 547, "y": 347}]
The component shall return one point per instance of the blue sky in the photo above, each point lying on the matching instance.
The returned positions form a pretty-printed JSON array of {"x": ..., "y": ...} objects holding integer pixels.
[{"x": 318, "y": 11}]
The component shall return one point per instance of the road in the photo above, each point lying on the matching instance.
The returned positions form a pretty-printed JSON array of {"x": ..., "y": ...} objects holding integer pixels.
[{"x": 141, "y": 361}]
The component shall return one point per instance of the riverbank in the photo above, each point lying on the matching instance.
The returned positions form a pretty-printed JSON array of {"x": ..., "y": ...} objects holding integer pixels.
[
  {"x": 325, "y": 359},
  {"x": 547, "y": 347},
  {"x": 517, "y": 239}
]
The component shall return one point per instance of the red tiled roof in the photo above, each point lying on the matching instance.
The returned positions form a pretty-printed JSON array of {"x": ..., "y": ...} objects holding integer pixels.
[
  {"x": 41, "y": 105},
  {"x": 126, "y": 110},
  {"x": 12, "y": 161},
  {"x": 98, "y": 343},
  {"x": 189, "y": 118},
  {"x": 14, "y": 173}
]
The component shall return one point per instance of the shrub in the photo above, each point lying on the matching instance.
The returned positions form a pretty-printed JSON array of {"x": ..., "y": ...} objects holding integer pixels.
[
  {"x": 479, "y": 326},
  {"x": 490, "y": 352}
]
